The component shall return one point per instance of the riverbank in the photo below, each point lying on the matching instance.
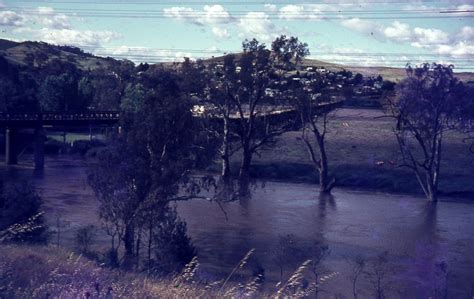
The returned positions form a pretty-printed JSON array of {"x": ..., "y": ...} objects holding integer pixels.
[
  {"x": 363, "y": 154},
  {"x": 49, "y": 272}
]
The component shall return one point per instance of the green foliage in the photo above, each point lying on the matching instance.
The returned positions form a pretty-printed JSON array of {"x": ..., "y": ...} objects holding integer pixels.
[
  {"x": 133, "y": 99},
  {"x": 173, "y": 248},
  {"x": 59, "y": 93},
  {"x": 429, "y": 102},
  {"x": 289, "y": 51},
  {"x": 142, "y": 170}
]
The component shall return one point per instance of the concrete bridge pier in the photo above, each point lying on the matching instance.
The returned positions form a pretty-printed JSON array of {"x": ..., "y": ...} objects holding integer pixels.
[
  {"x": 40, "y": 138},
  {"x": 11, "y": 146}
]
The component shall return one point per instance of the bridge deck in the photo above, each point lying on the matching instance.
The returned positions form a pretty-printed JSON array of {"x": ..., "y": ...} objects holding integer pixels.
[{"x": 31, "y": 120}]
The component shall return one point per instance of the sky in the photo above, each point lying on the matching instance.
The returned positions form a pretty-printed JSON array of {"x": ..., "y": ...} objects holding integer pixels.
[{"x": 363, "y": 32}]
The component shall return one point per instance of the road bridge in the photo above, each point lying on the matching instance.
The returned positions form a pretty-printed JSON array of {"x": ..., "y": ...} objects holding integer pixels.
[
  {"x": 286, "y": 117},
  {"x": 13, "y": 122}
]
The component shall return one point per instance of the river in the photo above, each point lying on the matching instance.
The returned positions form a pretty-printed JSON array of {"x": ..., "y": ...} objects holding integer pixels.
[{"x": 287, "y": 223}]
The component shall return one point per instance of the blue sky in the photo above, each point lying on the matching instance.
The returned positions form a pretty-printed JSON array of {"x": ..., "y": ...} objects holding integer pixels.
[{"x": 364, "y": 32}]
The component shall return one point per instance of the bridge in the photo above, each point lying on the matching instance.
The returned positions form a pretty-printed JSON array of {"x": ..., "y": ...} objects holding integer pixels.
[
  {"x": 12, "y": 122},
  {"x": 286, "y": 117}
]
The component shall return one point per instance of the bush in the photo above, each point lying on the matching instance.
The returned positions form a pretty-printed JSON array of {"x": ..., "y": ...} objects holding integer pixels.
[
  {"x": 85, "y": 238},
  {"x": 173, "y": 248},
  {"x": 21, "y": 219}
]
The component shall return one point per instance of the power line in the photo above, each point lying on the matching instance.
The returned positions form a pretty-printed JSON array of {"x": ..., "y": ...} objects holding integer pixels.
[
  {"x": 333, "y": 11},
  {"x": 223, "y": 2},
  {"x": 146, "y": 51},
  {"x": 281, "y": 17}
]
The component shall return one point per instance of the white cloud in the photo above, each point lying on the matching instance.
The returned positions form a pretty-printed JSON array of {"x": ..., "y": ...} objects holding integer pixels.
[
  {"x": 369, "y": 28},
  {"x": 258, "y": 25},
  {"x": 86, "y": 38},
  {"x": 211, "y": 14},
  {"x": 49, "y": 18},
  {"x": 45, "y": 16},
  {"x": 429, "y": 37},
  {"x": 466, "y": 33},
  {"x": 270, "y": 7},
  {"x": 11, "y": 18},
  {"x": 220, "y": 32},
  {"x": 291, "y": 12},
  {"x": 460, "y": 49},
  {"x": 142, "y": 54},
  {"x": 300, "y": 12},
  {"x": 398, "y": 31},
  {"x": 216, "y": 14},
  {"x": 181, "y": 14}
]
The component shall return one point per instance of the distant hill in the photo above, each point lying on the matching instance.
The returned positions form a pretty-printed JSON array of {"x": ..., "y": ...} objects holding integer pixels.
[
  {"x": 388, "y": 73},
  {"x": 38, "y": 53}
]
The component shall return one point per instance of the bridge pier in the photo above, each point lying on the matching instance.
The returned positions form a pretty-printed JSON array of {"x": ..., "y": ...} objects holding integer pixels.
[
  {"x": 40, "y": 138},
  {"x": 11, "y": 146}
]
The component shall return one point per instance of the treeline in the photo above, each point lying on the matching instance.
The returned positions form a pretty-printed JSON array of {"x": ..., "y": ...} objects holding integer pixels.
[{"x": 60, "y": 85}]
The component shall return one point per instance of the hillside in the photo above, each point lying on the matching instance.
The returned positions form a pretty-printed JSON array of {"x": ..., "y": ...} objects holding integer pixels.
[
  {"x": 388, "y": 73},
  {"x": 37, "y": 54}
]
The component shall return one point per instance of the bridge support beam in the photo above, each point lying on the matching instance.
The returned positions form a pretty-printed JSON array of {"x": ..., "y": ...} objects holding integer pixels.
[
  {"x": 11, "y": 146},
  {"x": 40, "y": 138}
]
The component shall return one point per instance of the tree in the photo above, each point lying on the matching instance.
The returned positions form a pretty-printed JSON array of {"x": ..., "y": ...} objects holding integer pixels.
[
  {"x": 239, "y": 94},
  {"x": 147, "y": 165},
  {"x": 305, "y": 100},
  {"x": 173, "y": 248},
  {"x": 58, "y": 93},
  {"x": 315, "y": 126},
  {"x": 289, "y": 51},
  {"x": 428, "y": 103}
]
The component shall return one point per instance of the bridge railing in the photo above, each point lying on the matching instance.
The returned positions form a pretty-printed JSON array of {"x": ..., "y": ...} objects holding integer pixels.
[{"x": 56, "y": 116}]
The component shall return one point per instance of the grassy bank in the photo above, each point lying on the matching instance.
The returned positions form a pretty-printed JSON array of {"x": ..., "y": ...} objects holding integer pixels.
[
  {"x": 363, "y": 154},
  {"x": 49, "y": 272}
]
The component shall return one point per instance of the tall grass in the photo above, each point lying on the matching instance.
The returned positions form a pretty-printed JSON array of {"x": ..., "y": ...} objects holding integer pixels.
[{"x": 49, "y": 272}]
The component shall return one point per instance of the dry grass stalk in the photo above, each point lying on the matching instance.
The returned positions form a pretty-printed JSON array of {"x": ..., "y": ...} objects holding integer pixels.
[
  {"x": 295, "y": 284},
  {"x": 19, "y": 229},
  {"x": 240, "y": 265}
]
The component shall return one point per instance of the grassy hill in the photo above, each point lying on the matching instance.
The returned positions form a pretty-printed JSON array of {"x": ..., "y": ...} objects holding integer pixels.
[
  {"x": 37, "y": 54},
  {"x": 388, "y": 73},
  {"x": 41, "y": 53}
]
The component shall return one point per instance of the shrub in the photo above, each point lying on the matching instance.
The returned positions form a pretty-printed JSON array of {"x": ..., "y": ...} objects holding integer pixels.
[
  {"x": 84, "y": 238},
  {"x": 21, "y": 219}
]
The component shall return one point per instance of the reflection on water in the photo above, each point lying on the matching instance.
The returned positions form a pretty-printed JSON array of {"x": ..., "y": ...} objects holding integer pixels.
[{"x": 429, "y": 245}]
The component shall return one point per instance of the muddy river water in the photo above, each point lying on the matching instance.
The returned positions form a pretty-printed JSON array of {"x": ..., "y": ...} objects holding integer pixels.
[{"x": 429, "y": 247}]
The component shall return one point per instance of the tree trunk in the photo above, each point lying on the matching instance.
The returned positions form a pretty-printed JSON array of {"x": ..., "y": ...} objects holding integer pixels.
[
  {"x": 244, "y": 174},
  {"x": 324, "y": 185},
  {"x": 128, "y": 241},
  {"x": 225, "y": 172},
  {"x": 432, "y": 178}
]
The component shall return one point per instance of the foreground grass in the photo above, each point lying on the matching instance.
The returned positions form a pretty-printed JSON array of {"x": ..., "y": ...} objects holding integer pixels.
[
  {"x": 46, "y": 272},
  {"x": 42, "y": 272}
]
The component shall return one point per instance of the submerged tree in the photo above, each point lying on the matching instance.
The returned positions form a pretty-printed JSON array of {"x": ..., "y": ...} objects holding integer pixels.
[
  {"x": 305, "y": 94},
  {"x": 428, "y": 103},
  {"x": 238, "y": 94}
]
